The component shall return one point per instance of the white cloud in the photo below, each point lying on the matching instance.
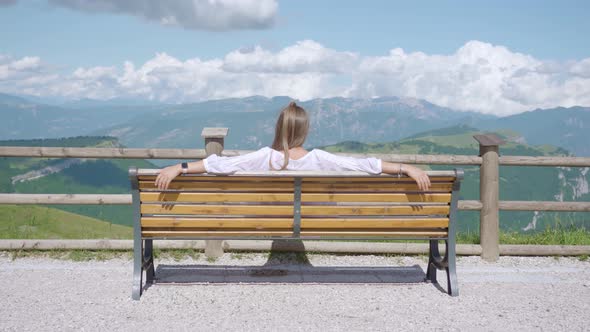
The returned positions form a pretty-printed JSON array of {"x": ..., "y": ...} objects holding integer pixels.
[
  {"x": 167, "y": 78},
  {"x": 304, "y": 56},
  {"x": 189, "y": 14},
  {"x": 581, "y": 68},
  {"x": 478, "y": 76},
  {"x": 11, "y": 69}
]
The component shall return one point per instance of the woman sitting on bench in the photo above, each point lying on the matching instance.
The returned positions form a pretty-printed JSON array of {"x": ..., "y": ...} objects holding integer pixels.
[{"x": 287, "y": 153}]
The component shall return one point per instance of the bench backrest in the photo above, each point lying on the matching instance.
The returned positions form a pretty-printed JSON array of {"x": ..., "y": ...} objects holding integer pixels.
[{"x": 299, "y": 205}]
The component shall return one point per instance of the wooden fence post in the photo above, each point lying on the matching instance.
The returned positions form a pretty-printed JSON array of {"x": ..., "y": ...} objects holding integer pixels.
[
  {"x": 214, "y": 139},
  {"x": 489, "y": 189}
]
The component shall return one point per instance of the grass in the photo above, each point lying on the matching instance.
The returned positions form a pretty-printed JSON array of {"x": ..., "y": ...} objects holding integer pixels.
[
  {"x": 549, "y": 236},
  {"x": 237, "y": 256},
  {"x": 83, "y": 255},
  {"x": 73, "y": 255},
  {"x": 39, "y": 222}
]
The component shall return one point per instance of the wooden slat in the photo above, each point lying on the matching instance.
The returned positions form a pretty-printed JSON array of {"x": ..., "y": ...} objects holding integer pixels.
[
  {"x": 287, "y": 187},
  {"x": 223, "y": 186},
  {"x": 377, "y": 198},
  {"x": 268, "y": 210},
  {"x": 220, "y": 178},
  {"x": 180, "y": 222},
  {"x": 215, "y": 233},
  {"x": 261, "y": 223},
  {"x": 232, "y": 178},
  {"x": 305, "y": 174},
  {"x": 373, "y": 179},
  {"x": 213, "y": 197},
  {"x": 241, "y": 234},
  {"x": 366, "y": 180},
  {"x": 409, "y": 233},
  {"x": 274, "y": 210},
  {"x": 373, "y": 187},
  {"x": 374, "y": 210},
  {"x": 374, "y": 223},
  {"x": 277, "y": 197}
]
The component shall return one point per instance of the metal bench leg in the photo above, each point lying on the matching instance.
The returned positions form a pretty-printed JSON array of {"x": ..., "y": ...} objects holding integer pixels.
[
  {"x": 452, "y": 284},
  {"x": 149, "y": 261},
  {"x": 137, "y": 268},
  {"x": 450, "y": 254},
  {"x": 137, "y": 240},
  {"x": 433, "y": 255}
]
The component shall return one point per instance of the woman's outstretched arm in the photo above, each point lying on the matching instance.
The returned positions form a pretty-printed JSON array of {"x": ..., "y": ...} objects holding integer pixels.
[
  {"x": 372, "y": 165},
  {"x": 253, "y": 161},
  {"x": 415, "y": 173},
  {"x": 169, "y": 173}
]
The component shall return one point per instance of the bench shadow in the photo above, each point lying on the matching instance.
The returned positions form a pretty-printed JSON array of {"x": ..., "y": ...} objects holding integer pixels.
[
  {"x": 189, "y": 274},
  {"x": 287, "y": 263}
]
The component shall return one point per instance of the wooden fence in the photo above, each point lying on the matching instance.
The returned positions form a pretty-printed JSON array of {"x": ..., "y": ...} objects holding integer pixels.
[{"x": 489, "y": 161}]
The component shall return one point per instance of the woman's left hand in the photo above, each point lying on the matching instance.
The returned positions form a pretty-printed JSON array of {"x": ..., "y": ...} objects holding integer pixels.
[{"x": 167, "y": 175}]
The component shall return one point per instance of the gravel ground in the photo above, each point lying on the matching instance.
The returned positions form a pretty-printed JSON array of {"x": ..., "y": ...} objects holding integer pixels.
[{"x": 328, "y": 293}]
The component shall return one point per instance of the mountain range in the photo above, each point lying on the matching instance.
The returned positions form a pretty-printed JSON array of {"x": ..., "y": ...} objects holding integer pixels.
[{"x": 251, "y": 121}]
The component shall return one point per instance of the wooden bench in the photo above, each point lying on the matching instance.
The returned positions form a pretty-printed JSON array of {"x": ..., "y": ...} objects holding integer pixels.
[{"x": 295, "y": 205}]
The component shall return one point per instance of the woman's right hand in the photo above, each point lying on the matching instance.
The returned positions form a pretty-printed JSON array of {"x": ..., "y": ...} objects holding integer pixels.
[
  {"x": 167, "y": 175},
  {"x": 419, "y": 176}
]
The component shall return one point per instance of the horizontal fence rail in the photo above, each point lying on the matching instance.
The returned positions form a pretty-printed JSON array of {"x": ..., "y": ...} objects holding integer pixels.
[
  {"x": 133, "y": 153},
  {"x": 73, "y": 199},
  {"x": 469, "y": 205},
  {"x": 545, "y": 206},
  {"x": 545, "y": 161},
  {"x": 115, "y": 153},
  {"x": 407, "y": 248},
  {"x": 125, "y": 199}
]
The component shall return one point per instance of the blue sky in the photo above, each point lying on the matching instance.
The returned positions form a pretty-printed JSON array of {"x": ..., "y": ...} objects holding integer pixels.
[
  {"x": 545, "y": 29},
  {"x": 66, "y": 35}
]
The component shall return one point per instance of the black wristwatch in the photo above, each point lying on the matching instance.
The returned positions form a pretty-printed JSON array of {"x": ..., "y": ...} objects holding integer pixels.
[{"x": 184, "y": 167}]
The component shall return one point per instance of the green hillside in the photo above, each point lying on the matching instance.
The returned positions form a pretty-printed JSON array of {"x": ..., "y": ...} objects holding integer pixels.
[
  {"x": 80, "y": 176},
  {"x": 36, "y": 222},
  {"x": 516, "y": 183}
]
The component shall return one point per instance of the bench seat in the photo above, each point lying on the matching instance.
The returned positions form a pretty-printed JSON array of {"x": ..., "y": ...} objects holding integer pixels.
[{"x": 295, "y": 205}]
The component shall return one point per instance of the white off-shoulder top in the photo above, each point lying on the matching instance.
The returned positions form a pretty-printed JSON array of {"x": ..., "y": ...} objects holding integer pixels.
[{"x": 314, "y": 160}]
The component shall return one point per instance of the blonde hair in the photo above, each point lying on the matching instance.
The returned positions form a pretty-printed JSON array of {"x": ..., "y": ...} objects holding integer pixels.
[{"x": 290, "y": 131}]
